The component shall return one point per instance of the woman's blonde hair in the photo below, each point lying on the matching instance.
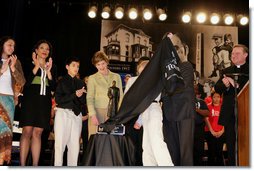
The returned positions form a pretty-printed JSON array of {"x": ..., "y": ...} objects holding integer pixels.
[{"x": 99, "y": 56}]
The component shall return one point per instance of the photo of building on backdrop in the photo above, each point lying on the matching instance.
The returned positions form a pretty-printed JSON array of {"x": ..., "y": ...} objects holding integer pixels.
[{"x": 210, "y": 47}]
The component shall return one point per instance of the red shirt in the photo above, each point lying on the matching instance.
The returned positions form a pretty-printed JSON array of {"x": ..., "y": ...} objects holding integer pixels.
[
  {"x": 208, "y": 100},
  {"x": 213, "y": 118}
]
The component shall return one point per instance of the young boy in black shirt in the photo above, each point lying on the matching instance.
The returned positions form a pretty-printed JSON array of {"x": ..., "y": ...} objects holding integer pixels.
[{"x": 68, "y": 120}]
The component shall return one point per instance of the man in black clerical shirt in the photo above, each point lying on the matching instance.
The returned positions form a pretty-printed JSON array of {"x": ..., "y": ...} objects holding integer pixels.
[{"x": 226, "y": 86}]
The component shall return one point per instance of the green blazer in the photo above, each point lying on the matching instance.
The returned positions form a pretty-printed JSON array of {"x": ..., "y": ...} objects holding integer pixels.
[{"x": 97, "y": 90}]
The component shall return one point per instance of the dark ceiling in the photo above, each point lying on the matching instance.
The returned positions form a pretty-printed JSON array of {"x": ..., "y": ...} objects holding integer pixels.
[
  {"x": 65, "y": 23},
  {"x": 174, "y": 7}
]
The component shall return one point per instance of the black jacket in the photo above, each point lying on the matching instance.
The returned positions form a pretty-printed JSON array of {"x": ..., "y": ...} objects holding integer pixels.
[
  {"x": 181, "y": 104},
  {"x": 227, "y": 108}
]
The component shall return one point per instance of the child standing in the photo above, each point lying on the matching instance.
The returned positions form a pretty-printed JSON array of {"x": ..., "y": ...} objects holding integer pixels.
[
  {"x": 155, "y": 151},
  {"x": 215, "y": 135},
  {"x": 199, "y": 133},
  {"x": 68, "y": 120}
]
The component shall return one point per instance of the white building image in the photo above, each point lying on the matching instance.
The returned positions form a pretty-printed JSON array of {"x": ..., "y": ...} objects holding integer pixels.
[{"x": 127, "y": 44}]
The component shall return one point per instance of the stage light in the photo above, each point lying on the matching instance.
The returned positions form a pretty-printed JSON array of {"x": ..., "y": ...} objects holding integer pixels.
[
  {"x": 133, "y": 13},
  {"x": 92, "y": 12},
  {"x": 228, "y": 19},
  {"x": 215, "y": 18},
  {"x": 105, "y": 12},
  {"x": 162, "y": 14},
  {"x": 186, "y": 17},
  {"x": 243, "y": 20},
  {"x": 201, "y": 17},
  {"x": 147, "y": 14},
  {"x": 119, "y": 12}
]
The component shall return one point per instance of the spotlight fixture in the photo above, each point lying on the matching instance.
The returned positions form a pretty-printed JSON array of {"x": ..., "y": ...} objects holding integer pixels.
[
  {"x": 215, "y": 18},
  {"x": 119, "y": 12},
  {"x": 105, "y": 12},
  {"x": 243, "y": 20},
  {"x": 161, "y": 14},
  {"x": 147, "y": 14},
  {"x": 186, "y": 17},
  {"x": 201, "y": 17},
  {"x": 92, "y": 11},
  {"x": 228, "y": 19},
  {"x": 133, "y": 13}
]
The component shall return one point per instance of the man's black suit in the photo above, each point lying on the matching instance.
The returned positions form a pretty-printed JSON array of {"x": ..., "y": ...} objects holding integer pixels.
[
  {"x": 178, "y": 119},
  {"x": 227, "y": 116}
]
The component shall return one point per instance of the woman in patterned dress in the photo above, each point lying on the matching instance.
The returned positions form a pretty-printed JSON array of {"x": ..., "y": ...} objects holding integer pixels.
[{"x": 11, "y": 77}]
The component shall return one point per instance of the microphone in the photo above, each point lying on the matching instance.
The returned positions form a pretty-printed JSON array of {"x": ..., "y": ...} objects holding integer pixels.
[{"x": 237, "y": 74}]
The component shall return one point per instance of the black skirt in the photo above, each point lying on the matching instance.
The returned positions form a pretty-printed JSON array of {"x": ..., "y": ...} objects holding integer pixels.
[{"x": 35, "y": 108}]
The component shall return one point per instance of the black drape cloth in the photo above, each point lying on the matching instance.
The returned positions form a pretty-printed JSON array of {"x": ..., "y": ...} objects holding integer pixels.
[
  {"x": 161, "y": 72},
  {"x": 109, "y": 150}
]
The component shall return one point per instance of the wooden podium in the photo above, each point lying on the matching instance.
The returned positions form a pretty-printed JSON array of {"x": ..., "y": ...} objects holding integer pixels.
[{"x": 243, "y": 126}]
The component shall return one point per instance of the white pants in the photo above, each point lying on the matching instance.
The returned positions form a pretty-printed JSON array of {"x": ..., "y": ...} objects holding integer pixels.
[
  {"x": 67, "y": 129},
  {"x": 155, "y": 151}
]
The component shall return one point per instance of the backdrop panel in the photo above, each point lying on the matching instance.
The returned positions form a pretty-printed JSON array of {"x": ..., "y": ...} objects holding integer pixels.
[{"x": 126, "y": 42}]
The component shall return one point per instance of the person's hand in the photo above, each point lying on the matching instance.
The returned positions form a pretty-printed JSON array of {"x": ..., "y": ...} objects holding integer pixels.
[
  {"x": 137, "y": 125},
  {"x": 219, "y": 134},
  {"x": 225, "y": 81},
  {"x": 49, "y": 64},
  {"x": 197, "y": 109},
  {"x": 80, "y": 92},
  {"x": 13, "y": 59},
  {"x": 5, "y": 66},
  {"x": 84, "y": 117},
  {"x": 213, "y": 133},
  {"x": 35, "y": 60},
  {"x": 232, "y": 82},
  {"x": 170, "y": 35},
  {"x": 94, "y": 120}
]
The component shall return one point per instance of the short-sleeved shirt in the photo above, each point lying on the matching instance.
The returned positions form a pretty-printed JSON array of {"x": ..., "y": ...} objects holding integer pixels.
[{"x": 199, "y": 119}]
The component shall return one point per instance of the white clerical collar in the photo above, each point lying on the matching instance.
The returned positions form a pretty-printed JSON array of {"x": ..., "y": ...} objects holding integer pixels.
[{"x": 239, "y": 66}]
